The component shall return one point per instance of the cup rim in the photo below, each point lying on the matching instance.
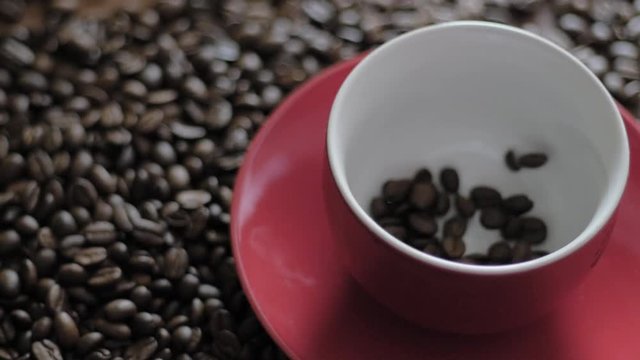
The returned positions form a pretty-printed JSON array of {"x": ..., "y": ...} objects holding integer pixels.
[{"x": 608, "y": 203}]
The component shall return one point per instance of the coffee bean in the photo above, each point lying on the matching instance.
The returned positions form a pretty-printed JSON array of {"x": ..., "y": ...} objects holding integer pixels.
[
  {"x": 100, "y": 233},
  {"x": 120, "y": 309},
  {"x": 103, "y": 181},
  {"x": 449, "y": 180},
  {"x": 66, "y": 330},
  {"x": 423, "y": 223},
  {"x": 72, "y": 274},
  {"x": 534, "y": 230},
  {"x": 484, "y": 196},
  {"x": 511, "y": 161},
  {"x": 9, "y": 284},
  {"x": 399, "y": 232},
  {"x": 90, "y": 256},
  {"x": 82, "y": 193},
  {"x": 27, "y": 225},
  {"x": 500, "y": 253},
  {"x": 378, "y": 208},
  {"x": 9, "y": 241},
  {"x": 455, "y": 227},
  {"x": 143, "y": 349},
  {"x": 193, "y": 199},
  {"x": 512, "y": 229},
  {"x": 100, "y": 354},
  {"x": 21, "y": 319},
  {"x": 493, "y": 218},
  {"x": 453, "y": 248},
  {"x": 41, "y": 328},
  {"x": 63, "y": 223},
  {"x": 532, "y": 160},
  {"x": 517, "y": 204},
  {"x": 116, "y": 331},
  {"x": 521, "y": 251},
  {"x": 46, "y": 350},
  {"x": 88, "y": 342},
  {"x": 176, "y": 263},
  {"x": 464, "y": 206},
  {"x": 423, "y": 195},
  {"x": 395, "y": 191},
  {"x": 442, "y": 205},
  {"x": 56, "y": 298}
]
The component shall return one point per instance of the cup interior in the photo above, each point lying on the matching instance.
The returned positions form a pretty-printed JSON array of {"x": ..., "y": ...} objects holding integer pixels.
[{"x": 461, "y": 95}]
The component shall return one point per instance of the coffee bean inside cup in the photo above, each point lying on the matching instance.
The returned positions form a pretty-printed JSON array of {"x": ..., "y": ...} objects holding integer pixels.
[{"x": 417, "y": 211}]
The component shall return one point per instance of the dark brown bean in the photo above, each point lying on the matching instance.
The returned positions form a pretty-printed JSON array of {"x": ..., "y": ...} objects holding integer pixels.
[
  {"x": 500, "y": 253},
  {"x": 511, "y": 161},
  {"x": 512, "y": 229},
  {"x": 455, "y": 227},
  {"x": 66, "y": 330},
  {"x": 493, "y": 218},
  {"x": 119, "y": 309},
  {"x": 399, "y": 232},
  {"x": 521, "y": 251},
  {"x": 142, "y": 349},
  {"x": 423, "y": 223},
  {"x": 116, "y": 331},
  {"x": 395, "y": 191},
  {"x": 517, "y": 204},
  {"x": 46, "y": 350},
  {"x": 534, "y": 230},
  {"x": 90, "y": 256},
  {"x": 449, "y": 180},
  {"x": 378, "y": 208},
  {"x": 454, "y": 248},
  {"x": 88, "y": 342},
  {"x": 464, "y": 206},
  {"x": 532, "y": 160},
  {"x": 10, "y": 286},
  {"x": 423, "y": 195},
  {"x": 9, "y": 241},
  {"x": 485, "y": 196}
]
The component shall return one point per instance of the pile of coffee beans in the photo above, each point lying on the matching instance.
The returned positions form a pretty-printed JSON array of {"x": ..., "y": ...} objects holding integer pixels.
[
  {"x": 410, "y": 209},
  {"x": 120, "y": 138}
]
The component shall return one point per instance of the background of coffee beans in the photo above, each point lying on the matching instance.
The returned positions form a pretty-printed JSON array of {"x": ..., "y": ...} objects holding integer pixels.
[{"x": 121, "y": 133}]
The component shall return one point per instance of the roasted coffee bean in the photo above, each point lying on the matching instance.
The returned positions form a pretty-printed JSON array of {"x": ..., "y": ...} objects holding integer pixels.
[
  {"x": 493, "y": 218},
  {"x": 21, "y": 319},
  {"x": 142, "y": 349},
  {"x": 27, "y": 225},
  {"x": 534, "y": 230},
  {"x": 41, "y": 328},
  {"x": 400, "y": 232},
  {"x": 484, "y": 196},
  {"x": 455, "y": 227},
  {"x": 532, "y": 160},
  {"x": 56, "y": 298},
  {"x": 88, "y": 342},
  {"x": 512, "y": 229},
  {"x": 66, "y": 330},
  {"x": 9, "y": 241},
  {"x": 442, "y": 205},
  {"x": 46, "y": 350},
  {"x": 449, "y": 180},
  {"x": 90, "y": 256},
  {"x": 453, "y": 248},
  {"x": 511, "y": 161},
  {"x": 378, "y": 208},
  {"x": 395, "y": 191},
  {"x": 423, "y": 195},
  {"x": 9, "y": 284},
  {"x": 63, "y": 223},
  {"x": 465, "y": 206},
  {"x": 120, "y": 309},
  {"x": 116, "y": 331},
  {"x": 517, "y": 204},
  {"x": 100, "y": 233},
  {"x": 500, "y": 253},
  {"x": 72, "y": 274},
  {"x": 521, "y": 251},
  {"x": 423, "y": 223},
  {"x": 176, "y": 261}
]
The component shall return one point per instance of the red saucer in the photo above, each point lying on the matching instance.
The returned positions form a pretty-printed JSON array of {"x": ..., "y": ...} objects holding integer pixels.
[{"x": 314, "y": 310}]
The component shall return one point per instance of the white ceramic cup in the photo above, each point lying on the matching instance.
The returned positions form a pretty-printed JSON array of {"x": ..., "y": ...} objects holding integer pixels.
[{"x": 461, "y": 94}]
